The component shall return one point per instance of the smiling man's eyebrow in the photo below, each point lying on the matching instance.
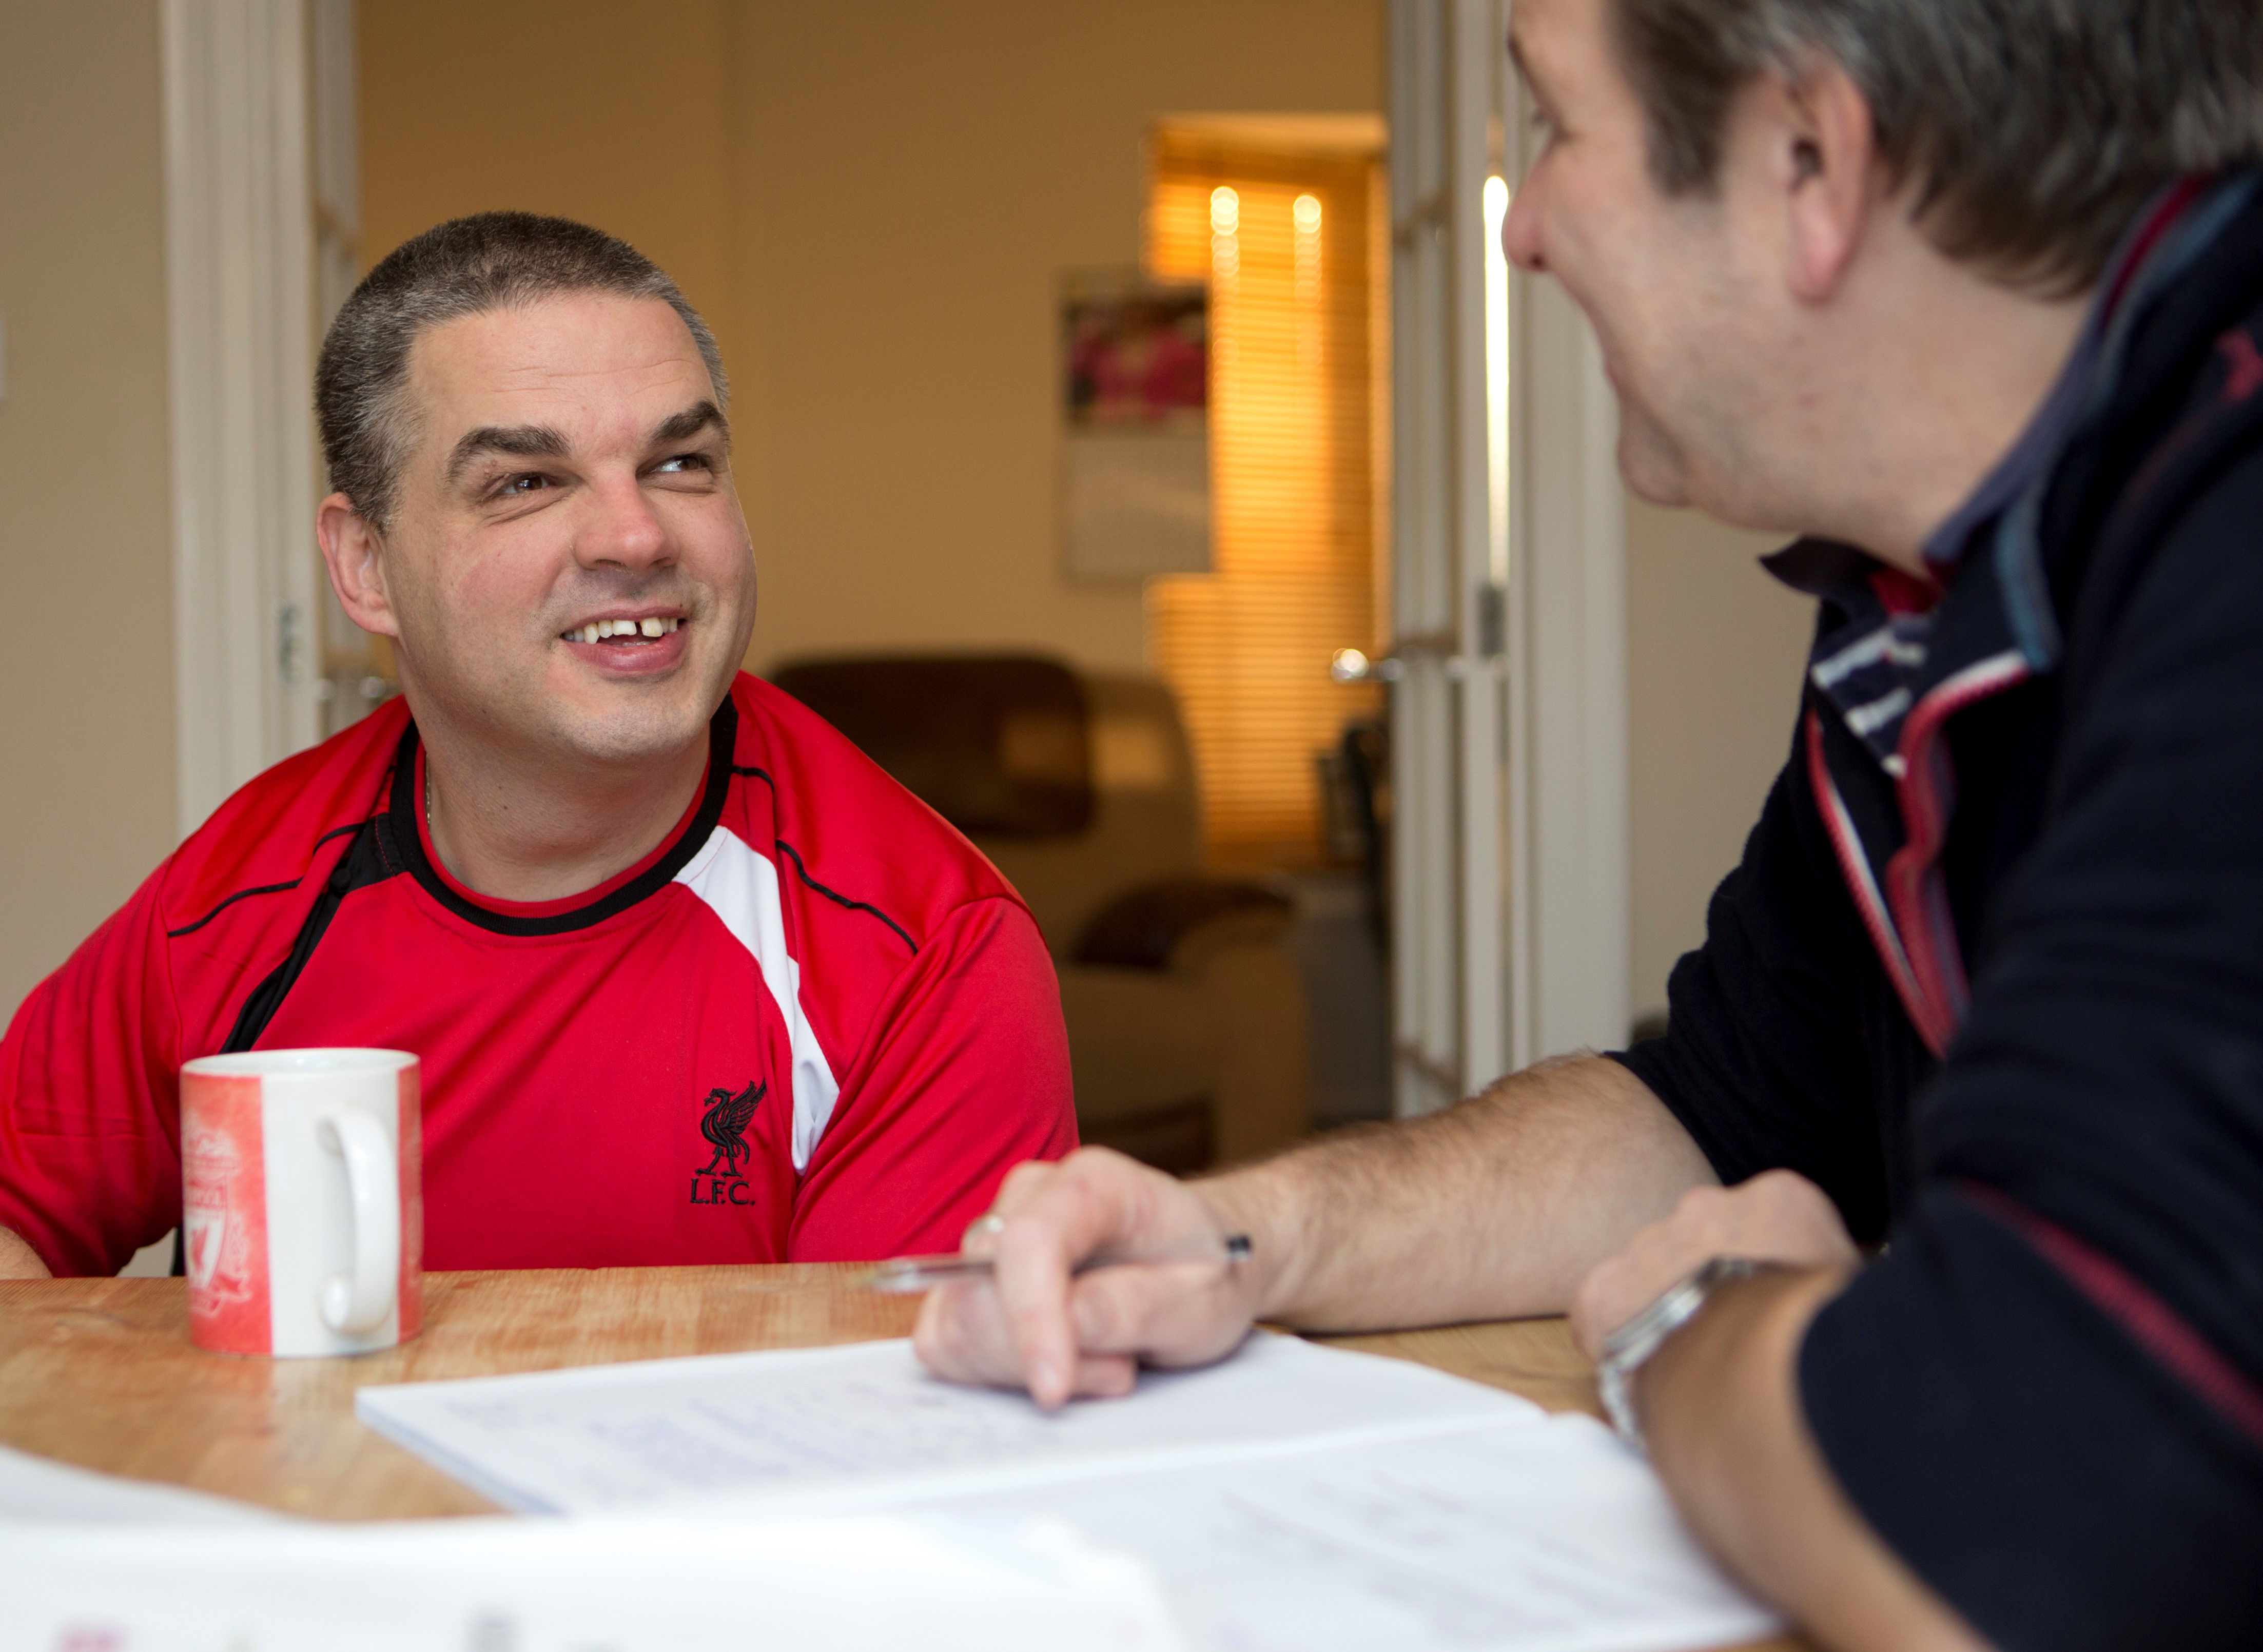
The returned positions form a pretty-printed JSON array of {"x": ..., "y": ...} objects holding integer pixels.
[
  {"x": 519, "y": 441},
  {"x": 698, "y": 417},
  {"x": 541, "y": 441}
]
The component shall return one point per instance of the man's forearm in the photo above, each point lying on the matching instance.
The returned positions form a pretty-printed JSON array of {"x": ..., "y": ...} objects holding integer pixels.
[
  {"x": 1720, "y": 1407},
  {"x": 18, "y": 1260},
  {"x": 1493, "y": 1209}
]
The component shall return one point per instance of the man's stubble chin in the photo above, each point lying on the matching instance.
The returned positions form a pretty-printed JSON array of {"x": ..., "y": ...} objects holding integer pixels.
[
  {"x": 1651, "y": 463},
  {"x": 629, "y": 723}
]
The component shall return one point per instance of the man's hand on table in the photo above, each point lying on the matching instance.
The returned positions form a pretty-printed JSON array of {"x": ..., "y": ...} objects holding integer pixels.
[
  {"x": 1063, "y": 1336},
  {"x": 1720, "y": 1407},
  {"x": 1777, "y": 1217},
  {"x": 1493, "y": 1209}
]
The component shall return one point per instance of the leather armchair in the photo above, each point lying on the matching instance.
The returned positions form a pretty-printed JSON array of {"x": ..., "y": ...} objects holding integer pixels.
[{"x": 1186, "y": 1012}]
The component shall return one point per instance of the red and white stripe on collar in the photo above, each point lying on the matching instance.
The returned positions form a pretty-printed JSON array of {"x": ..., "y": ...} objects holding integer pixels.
[{"x": 1906, "y": 911}]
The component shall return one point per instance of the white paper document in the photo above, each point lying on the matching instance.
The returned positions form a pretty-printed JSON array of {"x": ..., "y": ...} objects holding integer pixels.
[
  {"x": 937, "y": 1582},
  {"x": 1291, "y": 1496},
  {"x": 1554, "y": 1539},
  {"x": 864, "y": 1426}
]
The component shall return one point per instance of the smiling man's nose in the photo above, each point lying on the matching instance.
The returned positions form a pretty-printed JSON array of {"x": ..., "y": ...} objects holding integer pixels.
[{"x": 622, "y": 530}]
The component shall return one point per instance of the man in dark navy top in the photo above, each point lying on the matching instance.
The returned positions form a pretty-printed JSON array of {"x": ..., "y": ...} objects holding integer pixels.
[
  {"x": 692, "y": 979},
  {"x": 1926, "y": 1249}
]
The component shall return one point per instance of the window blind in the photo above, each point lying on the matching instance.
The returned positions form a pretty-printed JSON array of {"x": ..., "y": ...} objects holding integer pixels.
[{"x": 1284, "y": 241}]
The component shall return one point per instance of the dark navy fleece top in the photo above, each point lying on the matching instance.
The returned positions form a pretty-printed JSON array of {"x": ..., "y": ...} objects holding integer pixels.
[{"x": 2030, "y": 1054}]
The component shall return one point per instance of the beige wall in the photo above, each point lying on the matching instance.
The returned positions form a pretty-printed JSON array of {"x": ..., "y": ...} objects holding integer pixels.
[
  {"x": 615, "y": 112},
  {"x": 872, "y": 202},
  {"x": 85, "y": 534},
  {"x": 1715, "y": 649}
]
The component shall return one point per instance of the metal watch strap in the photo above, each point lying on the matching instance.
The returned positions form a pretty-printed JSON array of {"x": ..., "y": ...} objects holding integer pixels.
[{"x": 1625, "y": 1349}]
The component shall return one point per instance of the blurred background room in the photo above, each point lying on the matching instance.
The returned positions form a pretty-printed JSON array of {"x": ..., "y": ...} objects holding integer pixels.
[{"x": 1148, "y": 455}]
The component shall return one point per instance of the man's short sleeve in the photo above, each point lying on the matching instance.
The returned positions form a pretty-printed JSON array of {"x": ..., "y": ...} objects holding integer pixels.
[
  {"x": 90, "y": 1165},
  {"x": 965, "y": 1075}
]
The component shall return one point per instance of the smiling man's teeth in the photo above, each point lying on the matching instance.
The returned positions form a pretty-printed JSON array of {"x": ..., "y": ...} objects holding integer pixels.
[{"x": 598, "y": 630}]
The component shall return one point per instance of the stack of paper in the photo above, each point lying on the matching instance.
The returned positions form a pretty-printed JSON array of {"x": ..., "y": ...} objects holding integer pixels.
[
  {"x": 864, "y": 1426},
  {"x": 1292, "y": 1496},
  {"x": 940, "y": 1583}
]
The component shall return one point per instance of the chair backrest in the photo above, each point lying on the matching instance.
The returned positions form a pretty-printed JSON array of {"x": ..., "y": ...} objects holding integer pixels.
[
  {"x": 1078, "y": 787},
  {"x": 1147, "y": 814},
  {"x": 995, "y": 744}
]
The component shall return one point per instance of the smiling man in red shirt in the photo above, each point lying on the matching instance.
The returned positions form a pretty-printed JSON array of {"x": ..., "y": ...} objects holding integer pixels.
[{"x": 692, "y": 979}]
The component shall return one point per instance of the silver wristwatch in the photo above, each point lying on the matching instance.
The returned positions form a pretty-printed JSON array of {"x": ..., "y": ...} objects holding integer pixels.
[{"x": 1625, "y": 1349}]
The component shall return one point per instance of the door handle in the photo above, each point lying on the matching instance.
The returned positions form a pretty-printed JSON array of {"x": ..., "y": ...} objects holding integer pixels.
[{"x": 1350, "y": 665}]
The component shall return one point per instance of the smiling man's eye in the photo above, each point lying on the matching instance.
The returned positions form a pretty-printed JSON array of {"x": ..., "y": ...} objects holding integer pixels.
[
  {"x": 518, "y": 486},
  {"x": 680, "y": 463}
]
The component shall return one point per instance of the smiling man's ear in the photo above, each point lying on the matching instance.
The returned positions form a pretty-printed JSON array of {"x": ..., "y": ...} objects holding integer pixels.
[
  {"x": 1818, "y": 145},
  {"x": 349, "y": 551}
]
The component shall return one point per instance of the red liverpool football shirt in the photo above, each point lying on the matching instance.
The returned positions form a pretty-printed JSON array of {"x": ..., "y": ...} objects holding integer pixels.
[{"x": 815, "y": 1024}]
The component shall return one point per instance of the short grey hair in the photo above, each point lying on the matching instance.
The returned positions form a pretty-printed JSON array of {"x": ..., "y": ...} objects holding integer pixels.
[
  {"x": 466, "y": 266},
  {"x": 2033, "y": 129}
]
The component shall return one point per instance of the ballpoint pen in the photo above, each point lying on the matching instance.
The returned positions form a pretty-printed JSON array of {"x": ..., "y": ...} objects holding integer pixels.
[{"x": 906, "y": 1274}]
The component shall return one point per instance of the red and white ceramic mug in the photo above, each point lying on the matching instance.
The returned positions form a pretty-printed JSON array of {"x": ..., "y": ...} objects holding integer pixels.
[{"x": 303, "y": 1205}]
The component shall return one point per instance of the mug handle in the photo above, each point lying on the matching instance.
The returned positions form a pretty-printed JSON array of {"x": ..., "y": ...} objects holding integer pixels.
[{"x": 357, "y": 1302}]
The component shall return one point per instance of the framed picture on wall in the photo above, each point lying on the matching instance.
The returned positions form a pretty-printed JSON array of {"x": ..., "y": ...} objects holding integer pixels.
[{"x": 1135, "y": 409}]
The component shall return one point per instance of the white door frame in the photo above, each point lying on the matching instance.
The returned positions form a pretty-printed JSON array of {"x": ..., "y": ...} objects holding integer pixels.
[
  {"x": 1508, "y": 709},
  {"x": 1449, "y": 959},
  {"x": 240, "y": 249}
]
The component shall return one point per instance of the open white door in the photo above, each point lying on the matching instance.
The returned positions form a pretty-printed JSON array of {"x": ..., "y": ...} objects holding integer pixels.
[{"x": 1508, "y": 704}]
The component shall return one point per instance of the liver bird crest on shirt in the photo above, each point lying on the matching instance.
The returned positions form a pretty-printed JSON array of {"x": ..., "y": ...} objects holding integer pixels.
[{"x": 724, "y": 1126}]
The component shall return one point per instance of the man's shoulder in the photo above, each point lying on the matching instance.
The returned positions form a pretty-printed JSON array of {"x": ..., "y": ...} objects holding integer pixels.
[
  {"x": 270, "y": 831},
  {"x": 845, "y": 827},
  {"x": 2183, "y": 430}
]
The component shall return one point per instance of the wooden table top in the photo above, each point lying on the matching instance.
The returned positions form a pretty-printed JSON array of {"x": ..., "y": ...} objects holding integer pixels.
[{"x": 101, "y": 1372}]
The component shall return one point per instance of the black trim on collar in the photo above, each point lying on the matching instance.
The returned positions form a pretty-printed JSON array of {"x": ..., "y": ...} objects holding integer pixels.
[{"x": 404, "y": 844}]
